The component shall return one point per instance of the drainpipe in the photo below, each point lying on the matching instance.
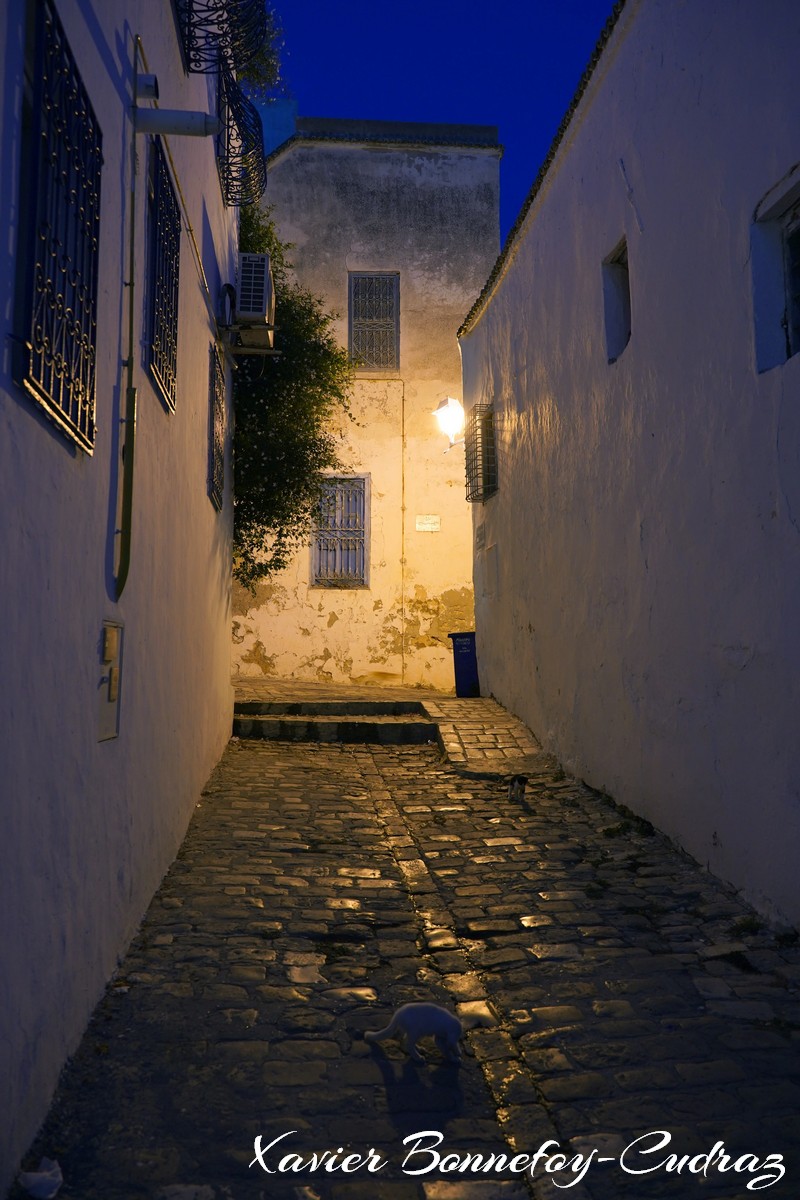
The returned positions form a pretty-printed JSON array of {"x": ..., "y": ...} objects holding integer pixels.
[{"x": 129, "y": 420}]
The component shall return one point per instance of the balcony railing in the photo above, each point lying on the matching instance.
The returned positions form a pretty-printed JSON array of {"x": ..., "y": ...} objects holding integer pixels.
[
  {"x": 232, "y": 30},
  {"x": 222, "y": 36},
  {"x": 240, "y": 145}
]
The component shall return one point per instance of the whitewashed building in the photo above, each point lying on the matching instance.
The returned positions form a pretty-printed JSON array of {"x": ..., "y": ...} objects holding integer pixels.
[
  {"x": 115, "y": 697},
  {"x": 634, "y": 374},
  {"x": 396, "y": 226}
]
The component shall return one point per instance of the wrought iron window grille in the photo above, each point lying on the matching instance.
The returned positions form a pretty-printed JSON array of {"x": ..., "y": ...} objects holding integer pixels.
[
  {"x": 339, "y": 553},
  {"x": 216, "y": 438},
  {"x": 232, "y": 30},
  {"x": 375, "y": 320},
  {"x": 480, "y": 453},
  {"x": 240, "y": 144},
  {"x": 164, "y": 222},
  {"x": 55, "y": 351}
]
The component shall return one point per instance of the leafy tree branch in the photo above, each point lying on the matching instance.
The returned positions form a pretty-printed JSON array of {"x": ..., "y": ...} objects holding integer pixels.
[
  {"x": 286, "y": 410},
  {"x": 261, "y": 75}
]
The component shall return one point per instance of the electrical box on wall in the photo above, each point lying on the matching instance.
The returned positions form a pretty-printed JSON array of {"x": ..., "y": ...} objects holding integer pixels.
[{"x": 108, "y": 687}]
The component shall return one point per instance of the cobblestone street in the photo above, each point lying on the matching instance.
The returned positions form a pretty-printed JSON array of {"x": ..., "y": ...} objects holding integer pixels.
[{"x": 612, "y": 986}]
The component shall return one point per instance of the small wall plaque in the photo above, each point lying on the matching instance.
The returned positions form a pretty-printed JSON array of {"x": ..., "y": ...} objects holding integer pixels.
[{"x": 429, "y": 523}]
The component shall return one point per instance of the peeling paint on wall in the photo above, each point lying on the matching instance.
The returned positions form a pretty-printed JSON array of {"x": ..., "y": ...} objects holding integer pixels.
[
  {"x": 266, "y": 595},
  {"x": 257, "y": 656}
]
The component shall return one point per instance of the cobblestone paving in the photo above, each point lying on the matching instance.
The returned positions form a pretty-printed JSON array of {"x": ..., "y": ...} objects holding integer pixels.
[{"x": 613, "y": 986}]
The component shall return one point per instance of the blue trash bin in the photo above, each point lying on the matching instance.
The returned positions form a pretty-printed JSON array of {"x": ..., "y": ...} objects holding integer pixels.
[{"x": 465, "y": 661}]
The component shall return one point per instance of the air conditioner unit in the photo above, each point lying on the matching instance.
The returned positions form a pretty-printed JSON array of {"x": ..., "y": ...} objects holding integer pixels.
[{"x": 255, "y": 301}]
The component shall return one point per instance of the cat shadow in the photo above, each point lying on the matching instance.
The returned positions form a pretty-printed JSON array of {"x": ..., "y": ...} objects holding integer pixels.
[{"x": 430, "y": 1091}]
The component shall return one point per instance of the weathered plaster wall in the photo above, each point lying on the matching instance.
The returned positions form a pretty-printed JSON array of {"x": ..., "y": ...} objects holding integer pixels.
[
  {"x": 90, "y": 827},
  {"x": 430, "y": 213},
  {"x": 637, "y": 593}
]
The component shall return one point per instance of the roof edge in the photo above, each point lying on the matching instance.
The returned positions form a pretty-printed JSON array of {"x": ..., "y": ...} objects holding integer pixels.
[
  {"x": 426, "y": 134},
  {"x": 362, "y": 129}
]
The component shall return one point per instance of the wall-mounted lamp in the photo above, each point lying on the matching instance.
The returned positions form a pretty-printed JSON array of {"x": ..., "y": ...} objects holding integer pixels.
[{"x": 450, "y": 415}]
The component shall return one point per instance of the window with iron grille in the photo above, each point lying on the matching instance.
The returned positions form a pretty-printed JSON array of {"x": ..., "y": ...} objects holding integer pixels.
[
  {"x": 164, "y": 228},
  {"x": 216, "y": 429},
  {"x": 232, "y": 31},
  {"x": 374, "y": 304},
  {"x": 340, "y": 547},
  {"x": 481, "y": 453},
  {"x": 56, "y": 296}
]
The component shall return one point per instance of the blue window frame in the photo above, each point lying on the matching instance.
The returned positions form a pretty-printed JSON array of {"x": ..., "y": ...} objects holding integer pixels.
[{"x": 340, "y": 548}]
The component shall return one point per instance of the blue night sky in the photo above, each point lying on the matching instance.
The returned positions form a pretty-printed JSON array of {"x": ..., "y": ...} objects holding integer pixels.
[{"x": 511, "y": 63}]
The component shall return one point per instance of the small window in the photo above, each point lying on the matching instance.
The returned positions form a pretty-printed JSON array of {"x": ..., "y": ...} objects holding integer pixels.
[
  {"x": 375, "y": 321},
  {"x": 775, "y": 266},
  {"x": 791, "y": 270},
  {"x": 481, "y": 453},
  {"x": 164, "y": 229},
  {"x": 216, "y": 429},
  {"x": 57, "y": 258},
  {"x": 617, "y": 301},
  {"x": 340, "y": 548}
]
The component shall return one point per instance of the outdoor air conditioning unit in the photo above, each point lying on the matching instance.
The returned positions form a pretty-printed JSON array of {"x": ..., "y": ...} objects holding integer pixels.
[{"x": 255, "y": 301}]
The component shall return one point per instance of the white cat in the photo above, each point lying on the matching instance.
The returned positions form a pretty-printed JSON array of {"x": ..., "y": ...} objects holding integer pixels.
[{"x": 415, "y": 1021}]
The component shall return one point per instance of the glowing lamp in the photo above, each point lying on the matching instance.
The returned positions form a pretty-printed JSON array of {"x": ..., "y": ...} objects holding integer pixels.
[{"x": 450, "y": 415}]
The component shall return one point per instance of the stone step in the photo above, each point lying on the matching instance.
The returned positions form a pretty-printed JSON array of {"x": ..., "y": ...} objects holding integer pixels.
[
  {"x": 329, "y": 708},
  {"x": 401, "y": 729}
]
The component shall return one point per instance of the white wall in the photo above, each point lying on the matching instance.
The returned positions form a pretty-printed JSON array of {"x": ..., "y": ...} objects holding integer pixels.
[
  {"x": 89, "y": 826},
  {"x": 429, "y": 212},
  {"x": 637, "y": 599}
]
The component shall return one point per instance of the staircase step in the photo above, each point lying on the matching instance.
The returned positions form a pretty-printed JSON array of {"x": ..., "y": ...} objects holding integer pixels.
[
  {"x": 329, "y": 708},
  {"x": 394, "y": 729}
]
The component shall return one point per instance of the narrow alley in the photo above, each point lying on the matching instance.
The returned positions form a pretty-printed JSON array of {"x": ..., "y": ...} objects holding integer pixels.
[{"x": 614, "y": 989}]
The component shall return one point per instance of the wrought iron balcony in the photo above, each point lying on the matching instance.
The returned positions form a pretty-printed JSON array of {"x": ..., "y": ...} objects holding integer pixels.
[
  {"x": 240, "y": 145},
  {"x": 231, "y": 30}
]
